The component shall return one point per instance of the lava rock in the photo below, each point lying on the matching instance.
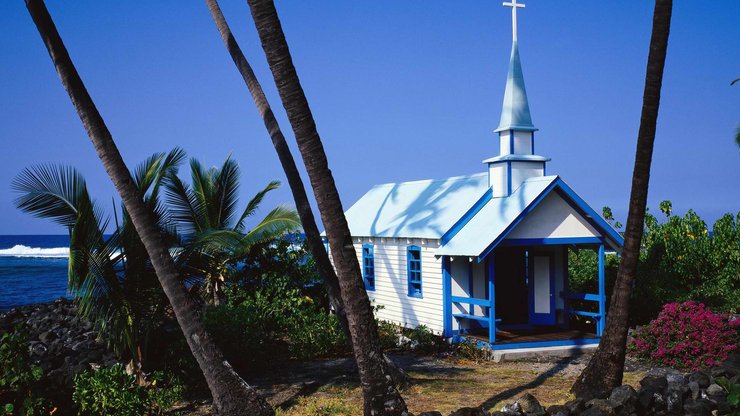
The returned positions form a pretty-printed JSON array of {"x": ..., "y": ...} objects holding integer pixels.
[
  {"x": 654, "y": 384},
  {"x": 511, "y": 409},
  {"x": 623, "y": 397},
  {"x": 701, "y": 378},
  {"x": 469, "y": 411},
  {"x": 696, "y": 408},
  {"x": 602, "y": 405},
  {"x": 530, "y": 405},
  {"x": 576, "y": 406},
  {"x": 558, "y": 410},
  {"x": 716, "y": 390}
]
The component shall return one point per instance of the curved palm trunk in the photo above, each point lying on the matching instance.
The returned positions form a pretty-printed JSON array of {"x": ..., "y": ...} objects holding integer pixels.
[
  {"x": 606, "y": 368},
  {"x": 331, "y": 283},
  {"x": 231, "y": 395},
  {"x": 380, "y": 395}
]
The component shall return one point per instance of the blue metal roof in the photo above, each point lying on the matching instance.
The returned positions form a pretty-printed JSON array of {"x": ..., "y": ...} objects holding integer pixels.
[
  {"x": 419, "y": 209},
  {"x": 515, "y": 111},
  {"x": 494, "y": 218}
]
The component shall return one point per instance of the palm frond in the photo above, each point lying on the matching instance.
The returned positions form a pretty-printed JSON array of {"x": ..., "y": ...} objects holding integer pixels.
[
  {"x": 168, "y": 169},
  {"x": 254, "y": 204},
  {"x": 184, "y": 207},
  {"x": 202, "y": 191},
  {"x": 226, "y": 194},
  {"x": 51, "y": 191},
  {"x": 146, "y": 172},
  {"x": 276, "y": 223}
]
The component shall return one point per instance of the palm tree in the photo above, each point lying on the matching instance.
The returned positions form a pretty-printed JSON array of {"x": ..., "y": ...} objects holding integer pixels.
[
  {"x": 380, "y": 395},
  {"x": 231, "y": 395},
  {"x": 217, "y": 239},
  {"x": 313, "y": 236},
  {"x": 111, "y": 278},
  {"x": 606, "y": 367}
]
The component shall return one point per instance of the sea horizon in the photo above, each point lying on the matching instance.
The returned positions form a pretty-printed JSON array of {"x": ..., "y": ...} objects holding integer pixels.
[{"x": 33, "y": 269}]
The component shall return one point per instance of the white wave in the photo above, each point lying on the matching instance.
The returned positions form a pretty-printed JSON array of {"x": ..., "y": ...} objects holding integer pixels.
[{"x": 24, "y": 251}]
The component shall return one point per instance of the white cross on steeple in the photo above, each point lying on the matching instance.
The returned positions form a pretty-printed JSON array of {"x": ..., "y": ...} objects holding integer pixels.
[{"x": 514, "y": 5}]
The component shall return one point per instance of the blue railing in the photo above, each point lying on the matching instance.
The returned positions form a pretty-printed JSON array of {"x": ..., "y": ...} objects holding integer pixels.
[{"x": 590, "y": 297}]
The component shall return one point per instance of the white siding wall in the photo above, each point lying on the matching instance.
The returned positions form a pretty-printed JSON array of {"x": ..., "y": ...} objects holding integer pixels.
[{"x": 391, "y": 282}]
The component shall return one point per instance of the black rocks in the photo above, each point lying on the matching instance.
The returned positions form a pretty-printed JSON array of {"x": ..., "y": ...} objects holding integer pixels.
[{"x": 60, "y": 342}]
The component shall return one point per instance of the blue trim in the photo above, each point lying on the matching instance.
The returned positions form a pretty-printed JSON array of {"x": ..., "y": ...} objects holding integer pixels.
[
  {"x": 492, "y": 299},
  {"x": 602, "y": 294},
  {"x": 470, "y": 316},
  {"x": 533, "y": 344},
  {"x": 368, "y": 266},
  {"x": 470, "y": 301},
  {"x": 470, "y": 284},
  {"x": 479, "y": 204},
  {"x": 532, "y": 142},
  {"x": 581, "y": 296},
  {"x": 574, "y": 200},
  {"x": 566, "y": 287},
  {"x": 542, "y": 318},
  {"x": 511, "y": 142},
  {"x": 552, "y": 241},
  {"x": 584, "y": 313},
  {"x": 446, "y": 297},
  {"x": 508, "y": 178},
  {"x": 413, "y": 271}
]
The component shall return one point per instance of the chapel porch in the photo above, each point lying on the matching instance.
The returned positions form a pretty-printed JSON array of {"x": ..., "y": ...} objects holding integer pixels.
[{"x": 517, "y": 296}]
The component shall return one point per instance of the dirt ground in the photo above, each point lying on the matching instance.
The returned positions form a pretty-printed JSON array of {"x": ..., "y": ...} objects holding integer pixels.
[{"x": 330, "y": 387}]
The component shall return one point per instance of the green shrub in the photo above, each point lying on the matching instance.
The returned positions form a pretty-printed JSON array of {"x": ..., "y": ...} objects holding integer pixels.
[
  {"x": 388, "y": 333},
  {"x": 19, "y": 379},
  {"x": 260, "y": 324},
  {"x": 111, "y": 391},
  {"x": 422, "y": 339},
  {"x": 469, "y": 350},
  {"x": 681, "y": 259}
]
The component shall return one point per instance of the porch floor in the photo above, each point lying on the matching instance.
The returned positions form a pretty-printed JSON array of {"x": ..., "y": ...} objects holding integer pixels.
[{"x": 530, "y": 335}]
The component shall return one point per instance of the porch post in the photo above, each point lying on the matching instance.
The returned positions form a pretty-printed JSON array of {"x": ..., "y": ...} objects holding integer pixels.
[
  {"x": 446, "y": 297},
  {"x": 602, "y": 294},
  {"x": 491, "y": 299}
]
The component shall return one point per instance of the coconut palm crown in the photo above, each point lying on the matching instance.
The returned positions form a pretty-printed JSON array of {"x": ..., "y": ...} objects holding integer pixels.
[{"x": 216, "y": 239}]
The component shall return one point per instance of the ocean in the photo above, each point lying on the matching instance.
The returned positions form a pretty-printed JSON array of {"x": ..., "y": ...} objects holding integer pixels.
[{"x": 33, "y": 269}]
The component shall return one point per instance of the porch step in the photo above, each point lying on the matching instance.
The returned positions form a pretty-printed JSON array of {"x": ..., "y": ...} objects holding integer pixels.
[{"x": 542, "y": 352}]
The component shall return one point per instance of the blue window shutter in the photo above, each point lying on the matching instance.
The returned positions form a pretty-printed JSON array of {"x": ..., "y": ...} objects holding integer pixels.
[
  {"x": 368, "y": 266},
  {"x": 413, "y": 269}
]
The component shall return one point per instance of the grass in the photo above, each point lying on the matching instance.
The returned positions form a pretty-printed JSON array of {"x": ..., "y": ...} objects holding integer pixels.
[{"x": 448, "y": 384}]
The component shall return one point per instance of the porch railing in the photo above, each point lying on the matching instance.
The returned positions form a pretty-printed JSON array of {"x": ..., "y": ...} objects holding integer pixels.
[
  {"x": 590, "y": 297},
  {"x": 489, "y": 318}
]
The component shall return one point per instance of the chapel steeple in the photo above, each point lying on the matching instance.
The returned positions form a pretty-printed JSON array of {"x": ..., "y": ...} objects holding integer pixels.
[{"x": 516, "y": 161}]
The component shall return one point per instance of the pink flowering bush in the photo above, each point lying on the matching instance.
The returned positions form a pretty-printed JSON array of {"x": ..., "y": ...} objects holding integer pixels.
[{"x": 685, "y": 335}]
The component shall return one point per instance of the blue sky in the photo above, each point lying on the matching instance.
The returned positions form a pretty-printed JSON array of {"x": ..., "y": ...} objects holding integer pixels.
[{"x": 400, "y": 91}]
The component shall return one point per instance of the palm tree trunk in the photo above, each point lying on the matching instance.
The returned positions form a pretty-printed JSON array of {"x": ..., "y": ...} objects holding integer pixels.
[
  {"x": 380, "y": 395},
  {"x": 606, "y": 368},
  {"x": 231, "y": 395},
  {"x": 323, "y": 264}
]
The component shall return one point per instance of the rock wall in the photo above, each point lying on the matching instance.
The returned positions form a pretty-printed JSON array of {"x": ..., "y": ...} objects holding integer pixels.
[{"x": 60, "y": 342}]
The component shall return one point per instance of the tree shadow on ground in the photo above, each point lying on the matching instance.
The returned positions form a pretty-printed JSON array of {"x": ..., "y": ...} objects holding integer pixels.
[
  {"x": 557, "y": 367},
  {"x": 287, "y": 384}
]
